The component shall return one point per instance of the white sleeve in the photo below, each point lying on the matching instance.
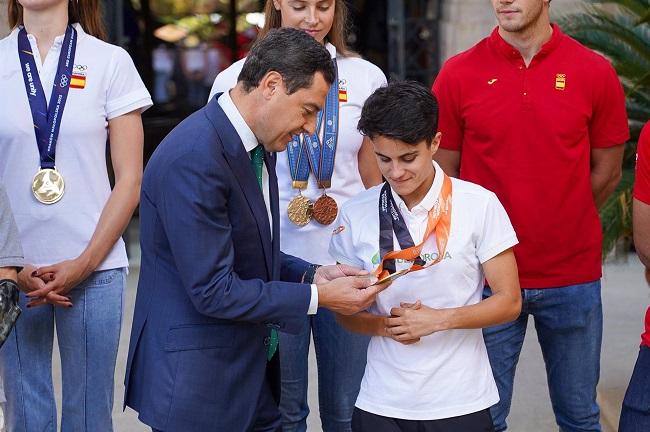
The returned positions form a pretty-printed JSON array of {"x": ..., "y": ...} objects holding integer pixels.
[
  {"x": 226, "y": 79},
  {"x": 496, "y": 233},
  {"x": 342, "y": 242},
  {"x": 126, "y": 91},
  {"x": 376, "y": 78}
]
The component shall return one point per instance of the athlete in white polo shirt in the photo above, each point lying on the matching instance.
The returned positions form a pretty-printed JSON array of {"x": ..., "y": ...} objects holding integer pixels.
[
  {"x": 63, "y": 92},
  {"x": 427, "y": 368}
]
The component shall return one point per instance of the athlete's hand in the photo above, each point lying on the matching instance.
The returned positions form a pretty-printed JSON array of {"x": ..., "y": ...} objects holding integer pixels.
[{"x": 410, "y": 322}]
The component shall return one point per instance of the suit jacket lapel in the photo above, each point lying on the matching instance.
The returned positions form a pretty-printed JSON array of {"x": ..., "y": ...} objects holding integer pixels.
[{"x": 239, "y": 162}]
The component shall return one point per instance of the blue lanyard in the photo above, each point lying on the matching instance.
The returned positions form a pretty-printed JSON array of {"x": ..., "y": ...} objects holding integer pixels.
[
  {"x": 298, "y": 164},
  {"x": 47, "y": 120},
  {"x": 321, "y": 156}
]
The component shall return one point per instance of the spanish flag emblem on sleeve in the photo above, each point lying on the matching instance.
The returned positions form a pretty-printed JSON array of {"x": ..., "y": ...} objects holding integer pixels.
[{"x": 78, "y": 81}]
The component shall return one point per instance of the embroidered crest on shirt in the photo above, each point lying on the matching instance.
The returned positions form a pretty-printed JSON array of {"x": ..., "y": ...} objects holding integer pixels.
[
  {"x": 343, "y": 90},
  {"x": 560, "y": 81},
  {"x": 78, "y": 78}
]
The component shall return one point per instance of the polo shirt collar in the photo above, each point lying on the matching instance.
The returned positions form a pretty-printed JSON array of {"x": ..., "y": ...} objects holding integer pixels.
[
  {"x": 57, "y": 40},
  {"x": 243, "y": 130},
  {"x": 429, "y": 199},
  {"x": 498, "y": 43},
  {"x": 331, "y": 49}
]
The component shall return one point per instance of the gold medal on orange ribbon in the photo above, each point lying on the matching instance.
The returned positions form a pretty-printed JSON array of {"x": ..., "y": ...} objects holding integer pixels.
[
  {"x": 48, "y": 186},
  {"x": 299, "y": 210},
  {"x": 325, "y": 210}
]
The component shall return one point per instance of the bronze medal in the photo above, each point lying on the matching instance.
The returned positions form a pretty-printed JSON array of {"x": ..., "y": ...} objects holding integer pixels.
[
  {"x": 48, "y": 186},
  {"x": 325, "y": 210},
  {"x": 299, "y": 210}
]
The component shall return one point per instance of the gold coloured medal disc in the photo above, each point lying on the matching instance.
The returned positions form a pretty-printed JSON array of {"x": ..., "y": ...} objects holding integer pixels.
[
  {"x": 325, "y": 210},
  {"x": 299, "y": 210},
  {"x": 48, "y": 186}
]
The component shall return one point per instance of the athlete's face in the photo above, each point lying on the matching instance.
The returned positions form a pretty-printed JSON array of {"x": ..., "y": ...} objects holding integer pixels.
[
  {"x": 518, "y": 15},
  {"x": 406, "y": 167},
  {"x": 312, "y": 16}
]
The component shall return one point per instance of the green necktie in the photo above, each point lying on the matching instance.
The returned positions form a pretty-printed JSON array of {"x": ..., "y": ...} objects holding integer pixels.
[{"x": 257, "y": 162}]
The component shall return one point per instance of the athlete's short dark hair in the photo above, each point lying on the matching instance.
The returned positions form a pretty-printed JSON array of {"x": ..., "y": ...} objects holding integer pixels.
[{"x": 402, "y": 110}]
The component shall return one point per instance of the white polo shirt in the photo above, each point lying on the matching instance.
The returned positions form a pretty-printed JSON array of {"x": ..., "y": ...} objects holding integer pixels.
[
  {"x": 448, "y": 373},
  {"x": 109, "y": 86},
  {"x": 358, "y": 78}
]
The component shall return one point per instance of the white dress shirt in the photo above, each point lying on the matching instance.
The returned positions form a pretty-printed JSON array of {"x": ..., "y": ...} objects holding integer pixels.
[{"x": 249, "y": 140}]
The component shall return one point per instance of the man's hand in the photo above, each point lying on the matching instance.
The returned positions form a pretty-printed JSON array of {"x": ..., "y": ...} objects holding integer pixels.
[
  {"x": 410, "y": 322},
  {"x": 350, "y": 294},
  {"x": 330, "y": 272}
]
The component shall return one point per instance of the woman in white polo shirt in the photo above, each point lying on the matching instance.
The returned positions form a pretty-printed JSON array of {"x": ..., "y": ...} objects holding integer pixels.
[
  {"x": 302, "y": 182},
  {"x": 427, "y": 368},
  {"x": 63, "y": 93}
]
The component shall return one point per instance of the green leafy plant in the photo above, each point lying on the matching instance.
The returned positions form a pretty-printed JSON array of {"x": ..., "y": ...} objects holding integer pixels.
[{"x": 620, "y": 30}]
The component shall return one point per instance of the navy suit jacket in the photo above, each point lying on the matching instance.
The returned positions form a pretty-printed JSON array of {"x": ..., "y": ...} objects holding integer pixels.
[{"x": 209, "y": 288}]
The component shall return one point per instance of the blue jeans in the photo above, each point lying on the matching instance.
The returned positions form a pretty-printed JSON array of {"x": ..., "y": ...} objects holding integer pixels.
[
  {"x": 635, "y": 416},
  {"x": 88, "y": 334},
  {"x": 569, "y": 324},
  {"x": 341, "y": 359}
]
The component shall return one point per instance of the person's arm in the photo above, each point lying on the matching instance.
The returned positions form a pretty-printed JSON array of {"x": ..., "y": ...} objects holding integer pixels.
[
  {"x": 368, "y": 168},
  {"x": 641, "y": 229},
  {"x": 127, "y": 138},
  {"x": 9, "y": 273},
  {"x": 409, "y": 323},
  {"x": 449, "y": 161},
  {"x": 606, "y": 171}
]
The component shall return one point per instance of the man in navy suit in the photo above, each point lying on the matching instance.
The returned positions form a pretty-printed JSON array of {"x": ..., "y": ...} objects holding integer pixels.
[{"x": 214, "y": 285}]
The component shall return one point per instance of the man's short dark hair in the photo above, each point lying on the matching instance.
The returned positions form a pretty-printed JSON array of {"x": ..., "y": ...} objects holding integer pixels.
[
  {"x": 402, "y": 110},
  {"x": 292, "y": 53}
]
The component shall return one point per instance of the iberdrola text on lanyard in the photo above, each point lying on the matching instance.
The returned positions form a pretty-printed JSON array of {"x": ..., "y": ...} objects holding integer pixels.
[
  {"x": 48, "y": 185},
  {"x": 391, "y": 220},
  {"x": 311, "y": 152}
]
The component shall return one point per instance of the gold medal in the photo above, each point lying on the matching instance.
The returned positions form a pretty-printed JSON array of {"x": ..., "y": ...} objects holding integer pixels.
[
  {"x": 299, "y": 210},
  {"x": 325, "y": 210},
  {"x": 48, "y": 186}
]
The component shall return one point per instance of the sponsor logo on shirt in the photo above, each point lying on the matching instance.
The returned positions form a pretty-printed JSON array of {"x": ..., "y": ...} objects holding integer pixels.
[
  {"x": 78, "y": 78},
  {"x": 492, "y": 81},
  {"x": 560, "y": 81},
  {"x": 427, "y": 257}
]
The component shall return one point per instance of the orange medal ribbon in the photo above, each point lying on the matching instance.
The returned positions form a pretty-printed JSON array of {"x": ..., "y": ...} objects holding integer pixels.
[{"x": 438, "y": 221}]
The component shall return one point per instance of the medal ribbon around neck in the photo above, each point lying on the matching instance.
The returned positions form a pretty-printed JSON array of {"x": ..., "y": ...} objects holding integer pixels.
[
  {"x": 321, "y": 155},
  {"x": 47, "y": 120},
  {"x": 298, "y": 164},
  {"x": 391, "y": 220}
]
